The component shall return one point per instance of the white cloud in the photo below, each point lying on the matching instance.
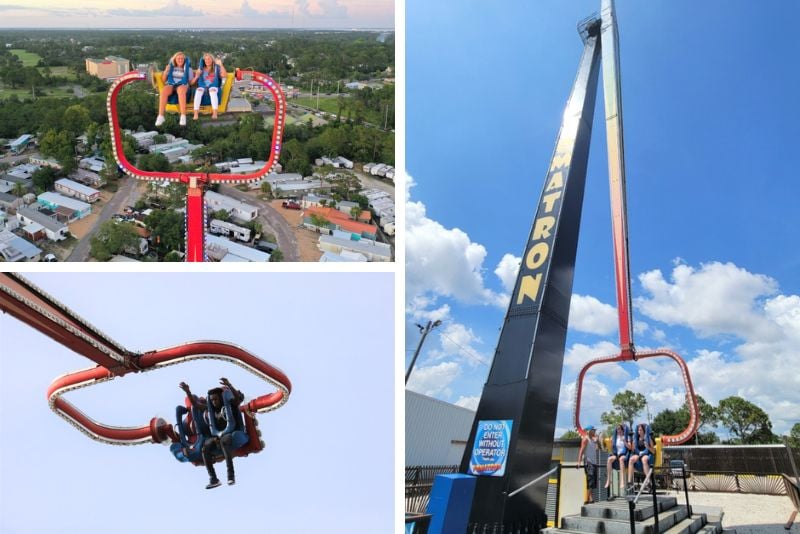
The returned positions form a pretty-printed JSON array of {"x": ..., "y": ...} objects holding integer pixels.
[
  {"x": 457, "y": 339},
  {"x": 434, "y": 380},
  {"x": 443, "y": 261},
  {"x": 587, "y": 314},
  {"x": 716, "y": 299},
  {"x": 579, "y": 354},
  {"x": 507, "y": 271},
  {"x": 470, "y": 403},
  {"x": 173, "y": 9}
]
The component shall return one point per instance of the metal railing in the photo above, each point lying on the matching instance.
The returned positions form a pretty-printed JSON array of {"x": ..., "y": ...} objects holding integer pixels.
[
  {"x": 535, "y": 480},
  {"x": 669, "y": 474}
]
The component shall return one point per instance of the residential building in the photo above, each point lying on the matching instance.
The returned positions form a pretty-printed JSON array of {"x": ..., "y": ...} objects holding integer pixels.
[
  {"x": 76, "y": 190},
  {"x": 24, "y": 171},
  {"x": 34, "y": 231},
  {"x": 14, "y": 248},
  {"x": 20, "y": 143},
  {"x": 338, "y": 221},
  {"x": 309, "y": 201},
  {"x": 55, "y": 230},
  {"x": 238, "y": 210},
  {"x": 221, "y": 249},
  {"x": 108, "y": 68},
  {"x": 8, "y": 201},
  {"x": 8, "y": 183},
  {"x": 86, "y": 177},
  {"x": 345, "y": 256},
  {"x": 44, "y": 162},
  {"x": 67, "y": 209},
  {"x": 372, "y": 250},
  {"x": 229, "y": 229},
  {"x": 94, "y": 164}
]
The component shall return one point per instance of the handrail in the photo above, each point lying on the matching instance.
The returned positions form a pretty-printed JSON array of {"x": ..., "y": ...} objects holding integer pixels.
[
  {"x": 535, "y": 480},
  {"x": 641, "y": 488}
]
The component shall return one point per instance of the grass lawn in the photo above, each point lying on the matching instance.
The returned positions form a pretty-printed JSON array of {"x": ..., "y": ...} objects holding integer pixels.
[
  {"x": 25, "y": 94},
  {"x": 331, "y": 105},
  {"x": 63, "y": 72},
  {"x": 327, "y": 104},
  {"x": 29, "y": 59}
]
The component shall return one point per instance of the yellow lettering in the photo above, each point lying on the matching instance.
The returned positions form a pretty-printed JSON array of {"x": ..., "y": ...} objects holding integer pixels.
[
  {"x": 529, "y": 287},
  {"x": 549, "y": 200},
  {"x": 537, "y": 255},
  {"x": 561, "y": 159},
  {"x": 541, "y": 229},
  {"x": 556, "y": 181}
]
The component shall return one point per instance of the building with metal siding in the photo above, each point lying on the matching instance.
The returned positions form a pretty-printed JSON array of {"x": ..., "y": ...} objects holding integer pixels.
[{"x": 436, "y": 431}]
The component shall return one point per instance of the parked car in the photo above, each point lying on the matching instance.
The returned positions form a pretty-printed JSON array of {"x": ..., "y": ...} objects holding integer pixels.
[
  {"x": 50, "y": 257},
  {"x": 290, "y": 205}
]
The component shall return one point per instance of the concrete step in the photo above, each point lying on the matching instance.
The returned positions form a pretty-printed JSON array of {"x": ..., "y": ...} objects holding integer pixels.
[
  {"x": 666, "y": 520},
  {"x": 618, "y": 508},
  {"x": 691, "y": 525}
]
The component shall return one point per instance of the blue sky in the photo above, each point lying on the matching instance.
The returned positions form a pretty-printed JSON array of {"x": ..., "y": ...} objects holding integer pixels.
[
  {"x": 712, "y": 121},
  {"x": 329, "y": 457},
  {"x": 186, "y": 14}
]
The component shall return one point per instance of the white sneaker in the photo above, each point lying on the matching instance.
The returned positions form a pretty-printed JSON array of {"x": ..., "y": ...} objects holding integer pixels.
[
  {"x": 183, "y": 120},
  {"x": 160, "y": 120}
]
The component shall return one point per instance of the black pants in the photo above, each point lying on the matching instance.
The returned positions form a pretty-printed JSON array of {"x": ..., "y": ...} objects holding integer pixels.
[
  {"x": 591, "y": 476},
  {"x": 223, "y": 443}
]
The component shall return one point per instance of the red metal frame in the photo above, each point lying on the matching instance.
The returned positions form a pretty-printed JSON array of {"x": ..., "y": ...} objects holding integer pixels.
[
  {"x": 35, "y": 308},
  {"x": 619, "y": 219},
  {"x": 195, "y": 213}
]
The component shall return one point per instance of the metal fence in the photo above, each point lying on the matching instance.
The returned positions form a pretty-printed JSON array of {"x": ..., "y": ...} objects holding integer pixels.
[
  {"x": 419, "y": 482},
  {"x": 752, "y": 459}
]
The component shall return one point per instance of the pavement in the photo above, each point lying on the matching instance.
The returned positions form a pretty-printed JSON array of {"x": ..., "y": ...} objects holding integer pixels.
[
  {"x": 271, "y": 221},
  {"x": 127, "y": 186},
  {"x": 748, "y": 513}
]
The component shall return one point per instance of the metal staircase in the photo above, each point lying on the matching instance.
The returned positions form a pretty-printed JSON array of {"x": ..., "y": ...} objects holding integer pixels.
[{"x": 614, "y": 517}]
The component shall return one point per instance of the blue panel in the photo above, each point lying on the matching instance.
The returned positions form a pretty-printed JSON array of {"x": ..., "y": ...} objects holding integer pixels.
[{"x": 450, "y": 503}]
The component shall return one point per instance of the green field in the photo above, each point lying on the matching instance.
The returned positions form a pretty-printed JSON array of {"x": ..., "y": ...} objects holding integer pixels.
[
  {"x": 25, "y": 94},
  {"x": 29, "y": 59},
  {"x": 331, "y": 105},
  {"x": 63, "y": 72}
]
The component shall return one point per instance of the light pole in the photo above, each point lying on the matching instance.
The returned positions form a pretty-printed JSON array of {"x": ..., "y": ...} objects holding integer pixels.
[{"x": 425, "y": 330}]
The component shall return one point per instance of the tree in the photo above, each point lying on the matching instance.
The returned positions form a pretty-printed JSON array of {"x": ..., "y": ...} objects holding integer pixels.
[
  {"x": 266, "y": 188},
  {"x": 76, "y": 119},
  {"x": 276, "y": 255},
  {"x": 153, "y": 162},
  {"x": 746, "y": 422},
  {"x": 627, "y": 405},
  {"x": 44, "y": 178},
  {"x": 670, "y": 422},
  {"x": 319, "y": 221},
  {"x": 794, "y": 437},
  {"x": 355, "y": 212},
  {"x": 112, "y": 238},
  {"x": 19, "y": 190},
  {"x": 221, "y": 215},
  {"x": 570, "y": 434},
  {"x": 166, "y": 229}
]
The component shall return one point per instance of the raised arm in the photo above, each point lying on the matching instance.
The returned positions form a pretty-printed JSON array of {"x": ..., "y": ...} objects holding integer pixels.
[
  {"x": 192, "y": 398},
  {"x": 238, "y": 396},
  {"x": 222, "y": 71}
]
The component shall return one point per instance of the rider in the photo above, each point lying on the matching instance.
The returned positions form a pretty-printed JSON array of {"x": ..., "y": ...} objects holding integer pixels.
[
  {"x": 208, "y": 78},
  {"x": 621, "y": 447},
  {"x": 227, "y": 429},
  {"x": 176, "y": 77},
  {"x": 644, "y": 448}
]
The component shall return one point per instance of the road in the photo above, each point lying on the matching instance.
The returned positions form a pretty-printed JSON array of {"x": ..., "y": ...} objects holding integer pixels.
[
  {"x": 120, "y": 198},
  {"x": 271, "y": 221},
  {"x": 369, "y": 181}
]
